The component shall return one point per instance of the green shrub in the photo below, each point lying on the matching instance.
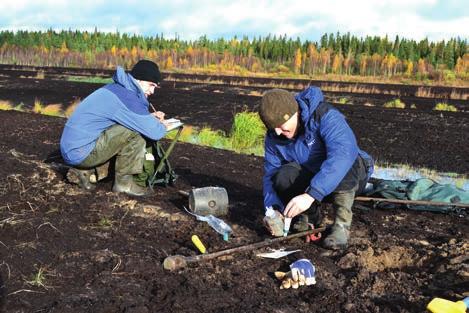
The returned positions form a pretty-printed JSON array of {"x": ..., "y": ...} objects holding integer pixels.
[
  {"x": 396, "y": 103},
  {"x": 445, "y": 107},
  {"x": 247, "y": 131}
]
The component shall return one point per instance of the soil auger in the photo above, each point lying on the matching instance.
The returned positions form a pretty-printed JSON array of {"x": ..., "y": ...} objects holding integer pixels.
[{"x": 176, "y": 262}]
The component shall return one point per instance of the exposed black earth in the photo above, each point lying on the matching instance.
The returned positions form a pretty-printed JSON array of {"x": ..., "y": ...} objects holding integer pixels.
[{"x": 63, "y": 249}]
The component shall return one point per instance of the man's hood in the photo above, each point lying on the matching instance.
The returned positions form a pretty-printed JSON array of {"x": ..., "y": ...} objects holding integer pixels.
[
  {"x": 127, "y": 81},
  {"x": 308, "y": 100}
]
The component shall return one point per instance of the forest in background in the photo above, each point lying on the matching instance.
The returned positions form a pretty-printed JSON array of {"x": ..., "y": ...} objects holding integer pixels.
[{"x": 336, "y": 54}]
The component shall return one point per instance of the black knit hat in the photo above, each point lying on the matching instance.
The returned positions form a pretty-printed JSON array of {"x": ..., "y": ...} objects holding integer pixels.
[
  {"x": 146, "y": 70},
  {"x": 277, "y": 107}
]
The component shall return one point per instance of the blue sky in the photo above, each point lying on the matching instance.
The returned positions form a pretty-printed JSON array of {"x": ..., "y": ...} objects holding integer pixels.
[{"x": 413, "y": 19}]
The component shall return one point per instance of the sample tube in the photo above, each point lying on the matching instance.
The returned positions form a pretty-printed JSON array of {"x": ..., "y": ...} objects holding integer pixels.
[{"x": 286, "y": 226}]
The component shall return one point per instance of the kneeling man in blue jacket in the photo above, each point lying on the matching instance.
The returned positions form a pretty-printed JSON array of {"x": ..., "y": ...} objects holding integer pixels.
[
  {"x": 311, "y": 155},
  {"x": 113, "y": 121}
]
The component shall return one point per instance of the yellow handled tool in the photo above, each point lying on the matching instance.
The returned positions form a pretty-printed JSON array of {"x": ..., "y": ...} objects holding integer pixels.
[{"x": 196, "y": 241}]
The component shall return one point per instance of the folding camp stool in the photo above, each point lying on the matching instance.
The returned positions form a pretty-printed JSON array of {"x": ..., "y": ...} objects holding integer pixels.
[{"x": 169, "y": 176}]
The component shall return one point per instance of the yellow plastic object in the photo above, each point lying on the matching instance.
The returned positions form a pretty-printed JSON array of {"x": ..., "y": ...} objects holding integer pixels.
[
  {"x": 196, "y": 241},
  {"x": 439, "y": 305}
]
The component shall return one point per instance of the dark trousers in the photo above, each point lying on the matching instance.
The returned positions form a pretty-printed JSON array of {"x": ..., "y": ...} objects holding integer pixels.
[{"x": 292, "y": 180}]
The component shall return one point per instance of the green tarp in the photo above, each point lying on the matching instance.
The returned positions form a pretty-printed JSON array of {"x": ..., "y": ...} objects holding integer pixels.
[{"x": 423, "y": 189}]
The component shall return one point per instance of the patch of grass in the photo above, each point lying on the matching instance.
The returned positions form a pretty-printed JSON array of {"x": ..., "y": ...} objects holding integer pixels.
[
  {"x": 5, "y": 105},
  {"x": 343, "y": 100},
  {"x": 39, "y": 279},
  {"x": 19, "y": 107},
  {"x": 38, "y": 107},
  {"x": 445, "y": 107},
  {"x": 248, "y": 131},
  {"x": 188, "y": 134},
  {"x": 53, "y": 110},
  {"x": 87, "y": 79},
  {"x": 105, "y": 222},
  {"x": 247, "y": 135},
  {"x": 396, "y": 104},
  {"x": 255, "y": 93},
  {"x": 212, "y": 138},
  {"x": 40, "y": 74}
]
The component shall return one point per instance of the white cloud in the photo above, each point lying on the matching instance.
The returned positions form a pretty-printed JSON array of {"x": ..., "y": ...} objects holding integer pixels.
[{"x": 190, "y": 20}]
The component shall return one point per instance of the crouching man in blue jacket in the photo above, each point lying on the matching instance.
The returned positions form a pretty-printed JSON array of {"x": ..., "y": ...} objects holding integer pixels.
[
  {"x": 113, "y": 121},
  {"x": 311, "y": 155}
]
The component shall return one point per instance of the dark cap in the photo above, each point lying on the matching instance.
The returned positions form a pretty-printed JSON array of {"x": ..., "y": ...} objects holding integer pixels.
[
  {"x": 277, "y": 107},
  {"x": 146, "y": 70}
]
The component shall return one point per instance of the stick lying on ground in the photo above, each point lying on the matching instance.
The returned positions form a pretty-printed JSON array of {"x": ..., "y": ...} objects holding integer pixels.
[
  {"x": 414, "y": 202},
  {"x": 175, "y": 262}
]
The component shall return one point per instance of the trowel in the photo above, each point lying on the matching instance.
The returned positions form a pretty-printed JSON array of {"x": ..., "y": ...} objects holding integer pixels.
[{"x": 276, "y": 253}]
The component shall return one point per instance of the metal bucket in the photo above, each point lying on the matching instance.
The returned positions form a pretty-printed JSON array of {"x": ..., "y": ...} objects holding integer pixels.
[{"x": 209, "y": 200}]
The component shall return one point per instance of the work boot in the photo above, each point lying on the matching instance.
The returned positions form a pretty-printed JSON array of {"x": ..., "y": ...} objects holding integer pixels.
[
  {"x": 126, "y": 184},
  {"x": 338, "y": 237},
  {"x": 312, "y": 216},
  {"x": 102, "y": 171},
  {"x": 340, "y": 231},
  {"x": 81, "y": 178}
]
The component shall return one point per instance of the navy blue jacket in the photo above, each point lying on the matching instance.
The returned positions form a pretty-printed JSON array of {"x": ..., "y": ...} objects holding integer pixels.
[
  {"x": 326, "y": 147},
  {"x": 122, "y": 102}
]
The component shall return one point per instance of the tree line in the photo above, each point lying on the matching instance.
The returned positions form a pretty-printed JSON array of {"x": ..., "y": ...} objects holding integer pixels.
[{"x": 341, "y": 54}]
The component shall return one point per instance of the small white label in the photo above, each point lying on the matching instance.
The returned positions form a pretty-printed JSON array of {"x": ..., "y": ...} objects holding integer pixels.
[{"x": 149, "y": 157}]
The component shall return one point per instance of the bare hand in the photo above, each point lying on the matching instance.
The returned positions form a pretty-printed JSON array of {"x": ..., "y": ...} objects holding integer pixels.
[
  {"x": 159, "y": 115},
  {"x": 165, "y": 123},
  {"x": 298, "y": 205}
]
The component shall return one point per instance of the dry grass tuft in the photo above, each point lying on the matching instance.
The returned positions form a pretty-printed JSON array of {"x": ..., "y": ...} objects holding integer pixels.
[
  {"x": 38, "y": 107},
  {"x": 5, "y": 105},
  {"x": 445, "y": 107},
  {"x": 39, "y": 279},
  {"x": 40, "y": 74},
  {"x": 53, "y": 110},
  {"x": 71, "y": 108},
  {"x": 459, "y": 95},
  {"x": 396, "y": 104}
]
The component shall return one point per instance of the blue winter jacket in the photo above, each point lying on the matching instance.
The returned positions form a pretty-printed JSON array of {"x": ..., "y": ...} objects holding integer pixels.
[
  {"x": 326, "y": 147},
  {"x": 122, "y": 102}
]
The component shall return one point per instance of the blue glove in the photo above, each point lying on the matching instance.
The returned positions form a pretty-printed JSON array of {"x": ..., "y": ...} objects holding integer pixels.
[{"x": 303, "y": 271}]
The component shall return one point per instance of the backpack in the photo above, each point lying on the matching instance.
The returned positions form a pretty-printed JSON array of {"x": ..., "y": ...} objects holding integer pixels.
[{"x": 156, "y": 168}]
